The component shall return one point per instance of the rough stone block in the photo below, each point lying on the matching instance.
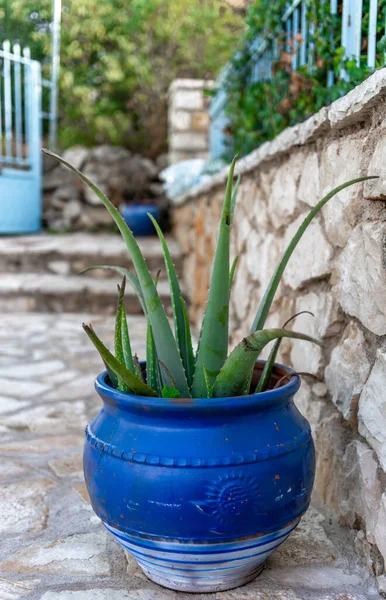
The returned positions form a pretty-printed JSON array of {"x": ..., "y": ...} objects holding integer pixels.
[
  {"x": 372, "y": 409},
  {"x": 361, "y": 276},
  {"x": 348, "y": 371},
  {"x": 312, "y": 256},
  {"x": 282, "y": 199},
  {"x": 189, "y": 141},
  {"x": 364, "y": 489},
  {"x": 200, "y": 121},
  {"x": 327, "y": 321},
  {"x": 24, "y": 505},
  {"x": 81, "y": 554},
  {"x": 180, "y": 120},
  {"x": 340, "y": 162},
  {"x": 309, "y": 184},
  {"x": 380, "y": 533},
  {"x": 375, "y": 189},
  {"x": 186, "y": 99}
]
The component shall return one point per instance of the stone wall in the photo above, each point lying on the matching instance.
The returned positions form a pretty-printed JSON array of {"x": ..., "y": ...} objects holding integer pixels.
[
  {"x": 337, "y": 272},
  {"x": 69, "y": 204},
  {"x": 188, "y": 119}
]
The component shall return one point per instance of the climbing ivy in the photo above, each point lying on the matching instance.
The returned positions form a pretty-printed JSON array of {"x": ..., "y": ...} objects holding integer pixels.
[{"x": 258, "y": 111}]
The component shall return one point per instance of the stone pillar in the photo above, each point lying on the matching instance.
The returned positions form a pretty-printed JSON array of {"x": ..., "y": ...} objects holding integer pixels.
[{"x": 188, "y": 119}]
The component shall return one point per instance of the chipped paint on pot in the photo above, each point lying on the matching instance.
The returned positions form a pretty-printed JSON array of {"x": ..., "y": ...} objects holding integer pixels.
[{"x": 200, "y": 492}]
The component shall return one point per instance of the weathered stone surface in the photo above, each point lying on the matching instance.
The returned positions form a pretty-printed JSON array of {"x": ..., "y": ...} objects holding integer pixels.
[
  {"x": 308, "y": 544},
  {"x": 309, "y": 183},
  {"x": 41, "y": 445},
  {"x": 76, "y": 155},
  {"x": 111, "y": 594},
  {"x": 8, "y": 404},
  {"x": 13, "y": 590},
  {"x": 260, "y": 592},
  {"x": 380, "y": 532},
  {"x": 372, "y": 409},
  {"x": 188, "y": 120},
  {"x": 361, "y": 276},
  {"x": 331, "y": 443},
  {"x": 314, "y": 578},
  {"x": 68, "y": 466},
  {"x": 22, "y": 389},
  {"x": 282, "y": 200},
  {"x": 54, "y": 418},
  {"x": 375, "y": 189},
  {"x": 348, "y": 371},
  {"x": 309, "y": 405},
  {"x": 363, "y": 486},
  {"x": 312, "y": 257},
  {"x": 355, "y": 106},
  {"x": 31, "y": 369},
  {"x": 23, "y": 505},
  {"x": 9, "y": 469},
  {"x": 381, "y": 585},
  {"x": 339, "y": 163},
  {"x": 325, "y": 323},
  {"x": 82, "y": 554}
]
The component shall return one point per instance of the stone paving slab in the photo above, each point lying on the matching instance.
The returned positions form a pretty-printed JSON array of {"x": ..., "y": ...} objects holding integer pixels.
[
  {"x": 43, "y": 292},
  {"x": 69, "y": 253},
  {"x": 52, "y": 546}
]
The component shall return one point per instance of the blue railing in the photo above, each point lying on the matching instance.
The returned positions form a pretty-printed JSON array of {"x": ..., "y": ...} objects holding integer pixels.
[{"x": 299, "y": 34}]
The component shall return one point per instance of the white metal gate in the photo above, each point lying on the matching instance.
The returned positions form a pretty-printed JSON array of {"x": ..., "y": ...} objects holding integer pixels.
[{"x": 20, "y": 140}]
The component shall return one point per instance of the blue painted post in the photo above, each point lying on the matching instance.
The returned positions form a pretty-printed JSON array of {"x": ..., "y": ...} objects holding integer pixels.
[
  {"x": 372, "y": 37},
  {"x": 303, "y": 47},
  {"x": 7, "y": 99},
  {"x": 18, "y": 107},
  {"x": 295, "y": 33},
  {"x": 27, "y": 56},
  {"x": 357, "y": 31}
]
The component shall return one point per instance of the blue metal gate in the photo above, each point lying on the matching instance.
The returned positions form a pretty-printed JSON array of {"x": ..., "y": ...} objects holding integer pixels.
[{"x": 20, "y": 141}]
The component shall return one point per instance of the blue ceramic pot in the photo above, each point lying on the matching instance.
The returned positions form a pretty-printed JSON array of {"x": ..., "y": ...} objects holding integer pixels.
[
  {"x": 201, "y": 491},
  {"x": 136, "y": 217}
]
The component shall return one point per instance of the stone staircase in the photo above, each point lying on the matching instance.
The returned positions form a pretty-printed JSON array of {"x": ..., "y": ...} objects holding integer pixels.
[{"x": 41, "y": 273}]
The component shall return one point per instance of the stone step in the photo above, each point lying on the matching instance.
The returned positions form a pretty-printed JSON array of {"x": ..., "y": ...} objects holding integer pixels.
[
  {"x": 44, "y": 292},
  {"x": 68, "y": 254}
]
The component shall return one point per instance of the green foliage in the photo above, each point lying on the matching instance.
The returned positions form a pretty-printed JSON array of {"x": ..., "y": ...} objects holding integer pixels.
[
  {"x": 118, "y": 58},
  {"x": 169, "y": 356},
  {"x": 258, "y": 111}
]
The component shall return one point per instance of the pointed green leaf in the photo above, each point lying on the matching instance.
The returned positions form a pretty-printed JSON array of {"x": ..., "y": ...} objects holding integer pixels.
[
  {"x": 166, "y": 345},
  {"x": 232, "y": 272},
  {"x": 152, "y": 367},
  {"x": 130, "y": 277},
  {"x": 240, "y": 363},
  {"x": 269, "y": 295},
  {"x": 181, "y": 326},
  {"x": 126, "y": 344},
  {"x": 270, "y": 363},
  {"x": 132, "y": 381},
  {"x": 112, "y": 375},
  {"x": 268, "y": 368},
  {"x": 137, "y": 368},
  {"x": 213, "y": 345},
  {"x": 118, "y": 335},
  {"x": 234, "y": 196},
  {"x": 208, "y": 386},
  {"x": 170, "y": 392}
]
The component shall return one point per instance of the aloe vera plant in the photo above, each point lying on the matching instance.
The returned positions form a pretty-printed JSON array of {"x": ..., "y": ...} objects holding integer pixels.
[{"x": 172, "y": 368}]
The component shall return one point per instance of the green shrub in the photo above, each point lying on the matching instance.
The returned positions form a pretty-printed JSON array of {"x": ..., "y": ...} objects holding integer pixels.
[
  {"x": 258, "y": 111},
  {"x": 118, "y": 58}
]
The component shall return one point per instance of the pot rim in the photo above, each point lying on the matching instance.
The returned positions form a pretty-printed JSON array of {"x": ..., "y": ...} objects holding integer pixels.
[{"x": 275, "y": 396}]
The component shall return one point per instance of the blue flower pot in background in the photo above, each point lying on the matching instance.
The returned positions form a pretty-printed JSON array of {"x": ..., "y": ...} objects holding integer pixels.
[
  {"x": 200, "y": 491},
  {"x": 136, "y": 217}
]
